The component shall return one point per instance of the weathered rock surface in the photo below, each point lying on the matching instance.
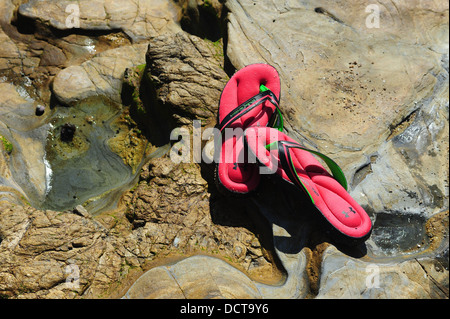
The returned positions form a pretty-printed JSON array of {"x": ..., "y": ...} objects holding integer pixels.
[
  {"x": 171, "y": 209},
  {"x": 171, "y": 213},
  {"x": 343, "y": 72},
  {"x": 187, "y": 75},
  {"x": 198, "y": 277},
  {"x": 138, "y": 19},
  {"x": 344, "y": 277},
  {"x": 38, "y": 248},
  {"x": 174, "y": 204},
  {"x": 374, "y": 98},
  {"x": 390, "y": 83},
  {"x": 393, "y": 135},
  {"x": 23, "y": 170},
  {"x": 101, "y": 75}
]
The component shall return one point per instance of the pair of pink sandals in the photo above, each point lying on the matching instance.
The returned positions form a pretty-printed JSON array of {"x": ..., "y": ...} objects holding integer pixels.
[{"x": 249, "y": 104}]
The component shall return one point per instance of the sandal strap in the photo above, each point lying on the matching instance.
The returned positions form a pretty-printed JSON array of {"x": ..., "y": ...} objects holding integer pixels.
[
  {"x": 276, "y": 119},
  {"x": 286, "y": 161}
]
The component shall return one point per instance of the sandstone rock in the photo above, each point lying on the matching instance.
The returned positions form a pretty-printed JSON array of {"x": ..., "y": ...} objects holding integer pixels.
[
  {"x": 138, "y": 19},
  {"x": 20, "y": 126},
  {"x": 72, "y": 84},
  {"x": 393, "y": 153},
  {"x": 346, "y": 145},
  {"x": 52, "y": 56},
  {"x": 38, "y": 246},
  {"x": 171, "y": 210},
  {"x": 157, "y": 283},
  {"x": 344, "y": 277},
  {"x": 394, "y": 93},
  {"x": 340, "y": 71},
  {"x": 9, "y": 54},
  {"x": 173, "y": 205},
  {"x": 187, "y": 76},
  {"x": 79, "y": 209},
  {"x": 7, "y": 9},
  {"x": 202, "y": 18},
  {"x": 102, "y": 75},
  {"x": 196, "y": 277}
]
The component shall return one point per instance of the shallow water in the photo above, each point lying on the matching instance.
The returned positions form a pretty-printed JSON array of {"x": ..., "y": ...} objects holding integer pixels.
[
  {"x": 398, "y": 233},
  {"x": 85, "y": 167}
]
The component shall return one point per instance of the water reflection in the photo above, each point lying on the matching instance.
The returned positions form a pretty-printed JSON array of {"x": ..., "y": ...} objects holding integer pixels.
[{"x": 83, "y": 167}]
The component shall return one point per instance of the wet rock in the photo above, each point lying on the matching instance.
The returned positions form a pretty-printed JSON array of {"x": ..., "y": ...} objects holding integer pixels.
[
  {"x": 40, "y": 109},
  {"x": 23, "y": 174},
  {"x": 86, "y": 168},
  {"x": 67, "y": 132},
  {"x": 396, "y": 232}
]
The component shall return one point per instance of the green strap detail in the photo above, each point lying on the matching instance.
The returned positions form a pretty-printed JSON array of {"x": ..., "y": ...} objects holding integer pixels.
[
  {"x": 279, "y": 123},
  {"x": 336, "y": 171},
  {"x": 300, "y": 180},
  {"x": 263, "y": 88},
  {"x": 270, "y": 146}
]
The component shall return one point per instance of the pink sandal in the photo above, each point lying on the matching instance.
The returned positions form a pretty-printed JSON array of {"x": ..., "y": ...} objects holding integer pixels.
[
  {"x": 296, "y": 164},
  {"x": 250, "y": 98}
]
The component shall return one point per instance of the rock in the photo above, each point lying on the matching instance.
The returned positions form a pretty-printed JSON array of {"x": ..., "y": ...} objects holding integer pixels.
[
  {"x": 173, "y": 204},
  {"x": 171, "y": 211},
  {"x": 343, "y": 70},
  {"x": 80, "y": 210},
  {"x": 9, "y": 53},
  {"x": 198, "y": 277},
  {"x": 38, "y": 247},
  {"x": 138, "y": 19},
  {"x": 7, "y": 10},
  {"x": 344, "y": 277},
  {"x": 73, "y": 84},
  {"x": 25, "y": 60},
  {"x": 52, "y": 56},
  {"x": 202, "y": 18},
  {"x": 40, "y": 109},
  {"x": 157, "y": 283},
  {"x": 67, "y": 132},
  {"x": 96, "y": 76},
  {"x": 25, "y": 171},
  {"x": 336, "y": 73},
  {"x": 187, "y": 76},
  {"x": 335, "y": 70}
]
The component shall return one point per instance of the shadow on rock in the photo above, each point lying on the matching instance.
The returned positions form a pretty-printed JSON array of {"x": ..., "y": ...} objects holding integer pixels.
[{"x": 285, "y": 216}]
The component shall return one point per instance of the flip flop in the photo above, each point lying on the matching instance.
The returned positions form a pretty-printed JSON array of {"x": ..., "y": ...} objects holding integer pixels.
[
  {"x": 250, "y": 98},
  {"x": 281, "y": 154}
]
